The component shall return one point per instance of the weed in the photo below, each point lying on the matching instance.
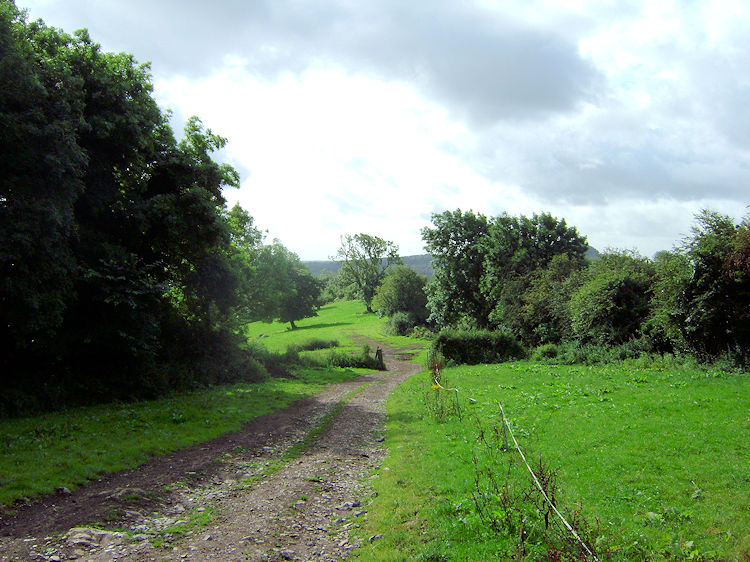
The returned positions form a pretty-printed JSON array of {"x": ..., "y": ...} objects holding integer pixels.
[{"x": 439, "y": 402}]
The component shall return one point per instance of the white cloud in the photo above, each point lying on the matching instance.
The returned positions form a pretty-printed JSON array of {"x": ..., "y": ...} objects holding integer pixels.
[
  {"x": 329, "y": 154},
  {"x": 625, "y": 118}
]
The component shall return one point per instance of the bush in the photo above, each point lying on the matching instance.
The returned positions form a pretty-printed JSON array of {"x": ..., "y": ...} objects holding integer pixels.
[
  {"x": 362, "y": 361},
  {"x": 402, "y": 290},
  {"x": 402, "y": 323},
  {"x": 314, "y": 344},
  {"x": 423, "y": 333},
  {"x": 478, "y": 346},
  {"x": 544, "y": 352}
]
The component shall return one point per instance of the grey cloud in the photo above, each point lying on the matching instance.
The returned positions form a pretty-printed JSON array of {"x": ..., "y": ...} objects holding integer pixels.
[{"x": 484, "y": 66}]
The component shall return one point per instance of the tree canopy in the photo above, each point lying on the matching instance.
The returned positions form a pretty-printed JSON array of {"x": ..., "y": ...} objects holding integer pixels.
[
  {"x": 123, "y": 272},
  {"x": 365, "y": 259}
]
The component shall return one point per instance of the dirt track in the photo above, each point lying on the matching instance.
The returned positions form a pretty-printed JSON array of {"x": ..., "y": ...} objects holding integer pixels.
[{"x": 234, "y": 506}]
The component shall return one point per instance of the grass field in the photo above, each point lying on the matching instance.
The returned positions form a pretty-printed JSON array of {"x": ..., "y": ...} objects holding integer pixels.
[
  {"x": 658, "y": 462},
  {"x": 341, "y": 321}
]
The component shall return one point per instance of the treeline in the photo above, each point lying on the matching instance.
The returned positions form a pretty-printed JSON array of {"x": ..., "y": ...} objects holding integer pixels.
[
  {"x": 528, "y": 277},
  {"x": 124, "y": 274}
]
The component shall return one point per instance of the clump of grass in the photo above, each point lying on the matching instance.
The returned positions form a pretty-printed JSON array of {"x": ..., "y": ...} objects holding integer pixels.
[{"x": 197, "y": 519}]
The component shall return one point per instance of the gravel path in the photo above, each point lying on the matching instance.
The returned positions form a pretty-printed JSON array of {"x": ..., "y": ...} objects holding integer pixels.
[{"x": 232, "y": 498}]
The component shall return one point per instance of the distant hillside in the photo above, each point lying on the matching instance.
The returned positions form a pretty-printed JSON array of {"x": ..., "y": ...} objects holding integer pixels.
[{"x": 421, "y": 264}]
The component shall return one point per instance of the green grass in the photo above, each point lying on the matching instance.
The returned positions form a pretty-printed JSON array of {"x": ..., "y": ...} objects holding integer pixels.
[
  {"x": 68, "y": 448},
  {"x": 342, "y": 321},
  {"x": 660, "y": 459}
]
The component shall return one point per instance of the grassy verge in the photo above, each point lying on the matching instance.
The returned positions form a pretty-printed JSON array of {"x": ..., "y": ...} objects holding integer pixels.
[
  {"x": 68, "y": 448},
  {"x": 656, "y": 461}
]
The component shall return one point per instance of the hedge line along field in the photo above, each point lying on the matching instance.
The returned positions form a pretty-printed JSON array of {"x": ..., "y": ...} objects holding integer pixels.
[{"x": 657, "y": 461}]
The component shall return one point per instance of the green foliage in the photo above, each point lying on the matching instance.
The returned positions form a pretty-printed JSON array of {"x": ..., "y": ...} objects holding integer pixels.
[
  {"x": 337, "y": 288},
  {"x": 544, "y": 315},
  {"x": 517, "y": 249},
  {"x": 314, "y": 344},
  {"x": 477, "y": 346},
  {"x": 663, "y": 328},
  {"x": 716, "y": 299},
  {"x": 456, "y": 245},
  {"x": 612, "y": 304},
  {"x": 482, "y": 267},
  {"x": 290, "y": 292},
  {"x": 365, "y": 259},
  {"x": 402, "y": 323},
  {"x": 123, "y": 273},
  {"x": 363, "y": 360},
  {"x": 402, "y": 290}
]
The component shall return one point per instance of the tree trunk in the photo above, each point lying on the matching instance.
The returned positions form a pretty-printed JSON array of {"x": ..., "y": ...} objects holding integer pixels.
[{"x": 293, "y": 326}]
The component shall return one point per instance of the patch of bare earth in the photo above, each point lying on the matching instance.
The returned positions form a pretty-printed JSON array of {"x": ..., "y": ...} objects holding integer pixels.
[{"x": 228, "y": 499}]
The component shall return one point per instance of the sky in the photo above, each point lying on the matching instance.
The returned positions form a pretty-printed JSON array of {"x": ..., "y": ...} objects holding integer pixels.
[{"x": 347, "y": 116}]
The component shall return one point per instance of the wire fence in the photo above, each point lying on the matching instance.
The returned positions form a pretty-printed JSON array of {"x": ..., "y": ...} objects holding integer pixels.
[{"x": 437, "y": 386}]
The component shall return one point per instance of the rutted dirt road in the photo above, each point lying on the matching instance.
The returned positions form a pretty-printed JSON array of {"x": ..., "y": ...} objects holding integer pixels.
[{"x": 227, "y": 499}]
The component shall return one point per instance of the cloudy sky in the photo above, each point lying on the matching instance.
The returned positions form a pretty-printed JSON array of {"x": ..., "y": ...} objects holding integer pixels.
[{"x": 346, "y": 116}]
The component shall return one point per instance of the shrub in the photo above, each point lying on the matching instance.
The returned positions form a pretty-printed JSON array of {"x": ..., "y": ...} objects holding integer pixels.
[
  {"x": 402, "y": 323},
  {"x": 314, "y": 344},
  {"x": 478, "y": 346},
  {"x": 363, "y": 361},
  {"x": 402, "y": 290},
  {"x": 546, "y": 351},
  {"x": 422, "y": 332}
]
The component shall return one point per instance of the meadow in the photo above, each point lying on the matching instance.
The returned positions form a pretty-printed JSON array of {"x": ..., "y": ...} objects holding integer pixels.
[{"x": 656, "y": 461}]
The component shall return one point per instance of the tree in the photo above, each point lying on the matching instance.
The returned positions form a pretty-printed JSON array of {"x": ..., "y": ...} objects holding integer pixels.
[
  {"x": 365, "y": 259},
  {"x": 716, "y": 299},
  {"x": 402, "y": 290},
  {"x": 514, "y": 249},
  {"x": 612, "y": 304},
  {"x": 290, "y": 291},
  {"x": 301, "y": 301},
  {"x": 545, "y": 311},
  {"x": 482, "y": 266},
  {"x": 455, "y": 243},
  {"x": 121, "y": 271},
  {"x": 41, "y": 171},
  {"x": 664, "y": 329}
]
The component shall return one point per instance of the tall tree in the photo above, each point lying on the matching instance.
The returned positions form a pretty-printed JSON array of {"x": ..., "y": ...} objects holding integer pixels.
[
  {"x": 716, "y": 299},
  {"x": 292, "y": 293},
  {"x": 514, "y": 249},
  {"x": 545, "y": 312},
  {"x": 364, "y": 261},
  {"x": 456, "y": 244},
  {"x": 41, "y": 176},
  {"x": 114, "y": 248}
]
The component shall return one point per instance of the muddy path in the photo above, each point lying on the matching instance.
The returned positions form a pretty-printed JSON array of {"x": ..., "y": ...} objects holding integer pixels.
[{"x": 233, "y": 498}]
